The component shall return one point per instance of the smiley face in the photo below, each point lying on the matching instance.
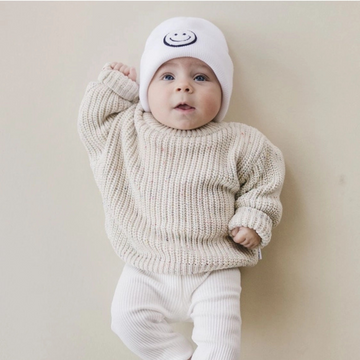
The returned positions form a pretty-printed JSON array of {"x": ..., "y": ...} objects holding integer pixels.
[{"x": 180, "y": 38}]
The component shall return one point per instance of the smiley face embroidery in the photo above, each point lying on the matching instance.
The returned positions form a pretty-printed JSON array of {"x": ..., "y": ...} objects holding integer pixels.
[{"x": 180, "y": 38}]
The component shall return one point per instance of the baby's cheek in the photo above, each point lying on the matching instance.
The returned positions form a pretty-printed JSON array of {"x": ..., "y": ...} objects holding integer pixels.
[{"x": 213, "y": 106}]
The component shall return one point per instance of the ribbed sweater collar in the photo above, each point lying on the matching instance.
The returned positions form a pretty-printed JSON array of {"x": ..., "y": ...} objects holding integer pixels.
[{"x": 146, "y": 122}]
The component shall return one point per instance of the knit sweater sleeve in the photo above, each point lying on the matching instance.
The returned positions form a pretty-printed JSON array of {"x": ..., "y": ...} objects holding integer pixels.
[
  {"x": 258, "y": 203},
  {"x": 103, "y": 101}
]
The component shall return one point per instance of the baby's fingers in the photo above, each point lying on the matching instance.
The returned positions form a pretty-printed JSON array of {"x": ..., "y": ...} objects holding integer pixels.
[
  {"x": 132, "y": 74},
  {"x": 116, "y": 66},
  {"x": 250, "y": 243},
  {"x": 128, "y": 71},
  {"x": 239, "y": 238},
  {"x": 125, "y": 70},
  {"x": 234, "y": 231}
]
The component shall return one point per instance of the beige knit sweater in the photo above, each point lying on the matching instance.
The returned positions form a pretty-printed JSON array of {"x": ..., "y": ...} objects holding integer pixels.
[{"x": 171, "y": 197}]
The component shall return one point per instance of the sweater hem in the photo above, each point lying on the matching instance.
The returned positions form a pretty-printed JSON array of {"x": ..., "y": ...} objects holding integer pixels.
[{"x": 158, "y": 264}]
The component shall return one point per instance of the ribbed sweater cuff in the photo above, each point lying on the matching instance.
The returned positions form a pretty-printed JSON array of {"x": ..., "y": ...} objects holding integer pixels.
[
  {"x": 119, "y": 83},
  {"x": 253, "y": 219}
]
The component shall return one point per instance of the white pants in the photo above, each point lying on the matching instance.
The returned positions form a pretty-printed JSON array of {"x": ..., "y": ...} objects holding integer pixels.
[{"x": 145, "y": 303}]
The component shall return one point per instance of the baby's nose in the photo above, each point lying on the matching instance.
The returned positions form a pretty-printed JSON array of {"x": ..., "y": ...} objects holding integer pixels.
[{"x": 185, "y": 88}]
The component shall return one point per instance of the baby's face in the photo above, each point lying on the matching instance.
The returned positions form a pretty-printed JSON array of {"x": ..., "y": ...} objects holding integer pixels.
[{"x": 184, "y": 94}]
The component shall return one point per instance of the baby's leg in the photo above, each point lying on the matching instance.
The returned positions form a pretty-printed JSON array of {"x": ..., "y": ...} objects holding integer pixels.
[
  {"x": 139, "y": 310},
  {"x": 216, "y": 315}
]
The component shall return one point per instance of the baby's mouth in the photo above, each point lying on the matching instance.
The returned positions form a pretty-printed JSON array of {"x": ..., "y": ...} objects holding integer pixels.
[{"x": 184, "y": 107}]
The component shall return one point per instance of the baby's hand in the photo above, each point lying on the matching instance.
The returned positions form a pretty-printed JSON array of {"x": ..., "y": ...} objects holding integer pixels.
[
  {"x": 246, "y": 237},
  {"x": 130, "y": 72}
]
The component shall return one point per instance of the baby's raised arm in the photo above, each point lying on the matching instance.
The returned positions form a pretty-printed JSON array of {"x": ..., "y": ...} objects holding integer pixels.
[{"x": 115, "y": 91}]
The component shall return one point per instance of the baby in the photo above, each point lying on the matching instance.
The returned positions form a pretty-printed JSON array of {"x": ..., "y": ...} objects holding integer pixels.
[{"x": 188, "y": 199}]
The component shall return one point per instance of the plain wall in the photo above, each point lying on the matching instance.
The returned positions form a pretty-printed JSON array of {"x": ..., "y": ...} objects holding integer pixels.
[{"x": 297, "y": 79}]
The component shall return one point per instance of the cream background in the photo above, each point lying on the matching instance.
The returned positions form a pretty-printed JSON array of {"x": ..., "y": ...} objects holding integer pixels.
[{"x": 297, "y": 80}]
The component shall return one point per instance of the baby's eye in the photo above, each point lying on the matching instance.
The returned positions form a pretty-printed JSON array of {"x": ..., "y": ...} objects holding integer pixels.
[
  {"x": 168, "y": 77},
  {"x": 200, "y": 78}
]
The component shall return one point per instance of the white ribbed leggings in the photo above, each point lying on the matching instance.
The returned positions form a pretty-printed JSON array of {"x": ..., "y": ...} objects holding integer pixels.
[{"x": 145, "y": 303}]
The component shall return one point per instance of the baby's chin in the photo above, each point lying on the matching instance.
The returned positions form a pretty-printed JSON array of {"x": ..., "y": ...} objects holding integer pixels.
[{"x": 183, "y": 124}]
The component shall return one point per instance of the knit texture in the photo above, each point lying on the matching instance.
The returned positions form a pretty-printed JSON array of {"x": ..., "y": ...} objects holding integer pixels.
[{"x": 171, "y": 197}]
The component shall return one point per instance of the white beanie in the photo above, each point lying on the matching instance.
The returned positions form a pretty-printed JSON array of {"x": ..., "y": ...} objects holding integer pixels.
[{"x": 187, "y": 37}]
